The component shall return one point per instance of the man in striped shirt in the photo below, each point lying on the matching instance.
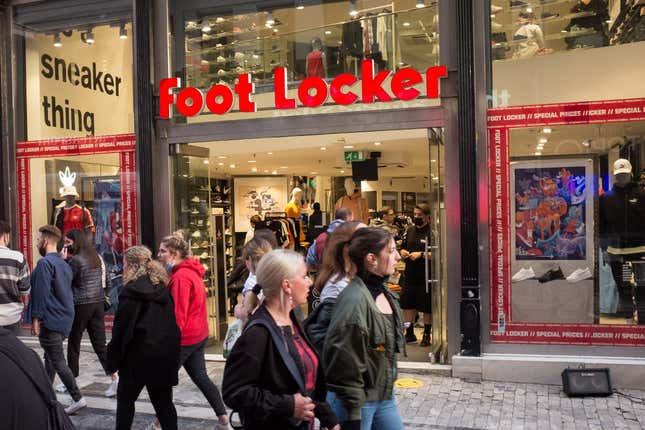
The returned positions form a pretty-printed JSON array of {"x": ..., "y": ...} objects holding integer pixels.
[{"x": 14, "y": 282}]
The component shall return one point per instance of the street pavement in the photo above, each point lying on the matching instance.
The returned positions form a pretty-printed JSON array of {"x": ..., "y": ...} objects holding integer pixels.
[{"x": 441, "y": 402}]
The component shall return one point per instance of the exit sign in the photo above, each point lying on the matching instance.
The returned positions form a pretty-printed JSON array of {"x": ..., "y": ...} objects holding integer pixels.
[{"x": 354, "y": 156}]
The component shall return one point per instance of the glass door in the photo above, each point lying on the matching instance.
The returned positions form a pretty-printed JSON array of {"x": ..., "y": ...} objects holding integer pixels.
[{"x": 437, "y": 279}]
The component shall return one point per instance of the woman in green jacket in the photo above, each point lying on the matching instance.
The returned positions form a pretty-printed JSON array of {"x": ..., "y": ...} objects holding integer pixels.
[{"x": 364, "y": 336}]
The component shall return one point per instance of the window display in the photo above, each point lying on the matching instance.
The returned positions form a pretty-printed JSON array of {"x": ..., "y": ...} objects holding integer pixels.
[
  {"x": 566, "y": 223},
  {"x": 324, "y": 42},
  {"x": 546, "y": 51}
]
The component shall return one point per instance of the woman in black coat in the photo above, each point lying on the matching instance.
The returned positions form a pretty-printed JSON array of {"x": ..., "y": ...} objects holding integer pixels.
[
  {"x": 273, "y": 376},
  {"x": 145, "y": 340}
]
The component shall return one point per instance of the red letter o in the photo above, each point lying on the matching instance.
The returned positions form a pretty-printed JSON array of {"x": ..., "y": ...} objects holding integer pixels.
[
  {"x": 197, "y": 98},
  {"x": 225, "y": 93},
  {"x": 321, "y": 92}
]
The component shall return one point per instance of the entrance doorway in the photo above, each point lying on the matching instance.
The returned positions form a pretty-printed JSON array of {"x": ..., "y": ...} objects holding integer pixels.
[{"x": 226, "y": 183}]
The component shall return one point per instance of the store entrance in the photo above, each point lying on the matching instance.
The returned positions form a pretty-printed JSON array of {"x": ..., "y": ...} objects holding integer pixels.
[{"x": 294, "y": 186}]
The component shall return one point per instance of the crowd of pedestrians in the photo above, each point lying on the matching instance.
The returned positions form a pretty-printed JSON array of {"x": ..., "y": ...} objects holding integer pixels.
[{"x": 284, "y": 371}]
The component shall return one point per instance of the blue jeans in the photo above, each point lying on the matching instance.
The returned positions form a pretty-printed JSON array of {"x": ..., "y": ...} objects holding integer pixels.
[{"x": 381, "y": 415}]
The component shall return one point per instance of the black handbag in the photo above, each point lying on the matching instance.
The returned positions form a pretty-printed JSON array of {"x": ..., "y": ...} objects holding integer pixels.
[{"x": 58, "y": 418}]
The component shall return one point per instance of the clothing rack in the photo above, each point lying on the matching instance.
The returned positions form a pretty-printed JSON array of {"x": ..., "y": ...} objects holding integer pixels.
[{"x": 273, "y": 215}]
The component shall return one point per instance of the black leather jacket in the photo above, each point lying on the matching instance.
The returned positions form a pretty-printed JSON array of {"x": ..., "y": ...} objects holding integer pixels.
[{"x": 87, "y": 284}]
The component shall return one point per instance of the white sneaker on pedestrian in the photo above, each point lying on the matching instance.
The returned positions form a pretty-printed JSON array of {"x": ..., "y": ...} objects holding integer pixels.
[
  {"x": 220, "y": 426},
  {"x": 524, "y": 274},
  {"x": 61, "y": 388},
  {"x": 111, "y": 391},
  {"x": 153, "y": 425},
  {"x": 579, "y": 275},
  {"x": 76, "y": 406}
]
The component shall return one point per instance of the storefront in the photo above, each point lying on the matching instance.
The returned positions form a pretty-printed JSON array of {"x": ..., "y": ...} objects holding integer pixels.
[
  {"x": 73, "y": 126},
  {"x": 565, "y": 192},
  {"x": 324, "y": 97}
]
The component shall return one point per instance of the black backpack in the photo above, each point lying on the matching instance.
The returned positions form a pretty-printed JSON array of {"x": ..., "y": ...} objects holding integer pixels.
[{"x": 58, "y": 418}]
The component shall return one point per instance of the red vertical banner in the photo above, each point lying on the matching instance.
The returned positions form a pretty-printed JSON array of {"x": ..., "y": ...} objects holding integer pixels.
[
  {"x": 24, "y": 208},
  {"x": 129, "y": 198},
  {"x": 499, "y": 228}
]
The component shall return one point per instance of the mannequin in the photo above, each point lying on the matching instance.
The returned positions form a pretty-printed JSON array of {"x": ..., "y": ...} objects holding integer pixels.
[
  {"x": 589, "y": 15},
  {"x": 316, "y": 60},
  {"x": 293, "y": 210},
  {"x": 69, "y": 215},
  {"x": 529, "y": 36},
  {"x": 621, "y": 213},
  {"x": 354, "y": 201}
]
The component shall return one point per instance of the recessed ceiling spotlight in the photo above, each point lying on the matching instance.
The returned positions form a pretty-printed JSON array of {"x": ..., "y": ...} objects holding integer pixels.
[
  {"x": 252, "y": 161},
  {"x": 433, "y": 161},
  {"x": 406, "y": 24},
  {"x": 300, "y": 5},
  {"x": 269, "y": 153},
  {"x": 57, "y": 42},
  {"x": 435, "y": 178},
  {"x": 89, "y": 37},
  {"x": 314, "y": 173},
  {"x": 586, "y": 143},
  {"x": 342, "y": 171},
  {"x": 546, "y": 130},
  {"x": 274, "y": 173},
  {"x": 254, "y": 169},
  {"x": 543, "y": 140},
  {"x": 421, "y": 4},
  {"x": 348, "y": 146},
  {"x": 377, "y": 143},
  {"x": 327, "y": 32},
  {"x": 528, "y": 9},
  {"x": 270, "y": 21},
  {"x": 283, "y": 167},
  {"x": 206, "y": 161},
  {"x": 220, "y": 164},
  {"x": 232, "y": 166},
  {"x": 323, "y": 148},
  {"x": 221, "y": 156},
  {"x": 538, "y": 153}
]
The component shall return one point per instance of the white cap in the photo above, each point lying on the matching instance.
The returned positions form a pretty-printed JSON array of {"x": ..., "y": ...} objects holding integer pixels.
[
  {"x": 68, "y": 190},
  {"x": 622, "y": 166}
]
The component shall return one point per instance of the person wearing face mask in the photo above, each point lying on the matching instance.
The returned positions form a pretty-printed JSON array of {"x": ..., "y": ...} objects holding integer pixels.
[
  {"x": 189, "y": 293},
  {"x": 52, "y": 310},
  {"x": 89, "y": 287},
  {"x": 416, "y": 297}
]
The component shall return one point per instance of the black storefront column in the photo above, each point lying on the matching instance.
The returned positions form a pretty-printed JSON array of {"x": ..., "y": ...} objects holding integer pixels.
[
  {"x": 7, "y": 148},
  {"x": 144, "y": 117},
  {"x": 470, "y": 286}
]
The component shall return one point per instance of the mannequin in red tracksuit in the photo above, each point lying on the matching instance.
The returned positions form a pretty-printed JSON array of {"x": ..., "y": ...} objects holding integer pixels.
[{"x": 189, "y": 293}]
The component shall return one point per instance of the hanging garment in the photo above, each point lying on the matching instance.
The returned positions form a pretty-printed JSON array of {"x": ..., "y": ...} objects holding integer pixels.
[
  {"x": 74, "y": 218},
  {"x": 367, "y": 36},
  {"x": 315, "y": 67},
  {"x": 608, "y": 288},
  {"x": 353, "y": 39},
  {"x": 383, "y": 37}
]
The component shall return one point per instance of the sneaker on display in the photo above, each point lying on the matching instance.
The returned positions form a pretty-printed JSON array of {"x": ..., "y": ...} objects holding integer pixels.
[
  {"x": 195, "y": 199},
  {"x": 221, "y": 59},
  {"x": 197, "y": 234},
  {"x": 579, "y": 275},
  {"x": 523, "y": 274},
  {"x": 494, "y": 9},
  {"x": 111, "y": 391},
  {"x": 76, "y": 406},
  {"x": 204, "y": 256},
  {"x": 551, "y": 275}
]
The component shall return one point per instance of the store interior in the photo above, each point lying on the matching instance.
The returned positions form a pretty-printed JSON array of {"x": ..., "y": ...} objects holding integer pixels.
[
  {"x": 545, "y": 162},
  {"x": 237, "y": 179}
]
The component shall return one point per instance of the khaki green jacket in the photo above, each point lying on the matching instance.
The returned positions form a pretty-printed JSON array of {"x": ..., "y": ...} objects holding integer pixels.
[{"x": 359, "y": 353}]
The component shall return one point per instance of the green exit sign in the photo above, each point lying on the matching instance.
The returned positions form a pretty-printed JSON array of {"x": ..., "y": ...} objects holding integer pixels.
[{"x": 354, "y": 156}]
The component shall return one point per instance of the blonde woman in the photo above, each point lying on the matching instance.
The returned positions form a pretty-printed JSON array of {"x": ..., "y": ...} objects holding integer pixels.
[
  {"x": 145, "y": 340},
  {"x": 273, "y": 377}
]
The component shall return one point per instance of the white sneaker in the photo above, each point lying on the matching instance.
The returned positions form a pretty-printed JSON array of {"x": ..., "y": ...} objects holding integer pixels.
[
  {"x": 111, "y": 391},
  {"x": 524, "y": 274},
  {"x": 153, "y": 425},
  {"x": 579, "y": 275},
  {"x": 76, "y": 406},
  {"x": 60, "y": 388}
]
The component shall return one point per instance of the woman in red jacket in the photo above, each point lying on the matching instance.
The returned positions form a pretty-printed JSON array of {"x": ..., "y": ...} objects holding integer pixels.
[{"x": 189, "y": 293}]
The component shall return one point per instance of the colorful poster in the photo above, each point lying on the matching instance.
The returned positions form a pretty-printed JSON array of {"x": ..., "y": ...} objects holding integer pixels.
[
  {"x": 258, "y": 196},
  {"x": 550, "y": 209}
]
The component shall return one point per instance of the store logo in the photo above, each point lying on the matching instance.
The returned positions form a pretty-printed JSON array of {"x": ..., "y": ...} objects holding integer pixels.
[{"x": 312, "y": 92}]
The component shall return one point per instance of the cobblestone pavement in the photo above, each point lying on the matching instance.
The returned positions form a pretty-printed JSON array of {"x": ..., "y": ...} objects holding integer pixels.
[{"x": 441, "y": 402}]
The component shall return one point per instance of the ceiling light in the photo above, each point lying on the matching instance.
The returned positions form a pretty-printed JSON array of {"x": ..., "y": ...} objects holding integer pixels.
[
  {"x": 270, "y": 21},
  {"x": 314, "y": 173},
  {"x": 283, "y": 167},
  {"x": 406, "y": 24},
  {"x": 377, "y": 143},
  {"x": 123, "y": 33},
  {"x": 352, "y": 8},
  {"x": 89, "y": 37},
  {"x": 323, "y": 148},
  {"x": 274, "y": 173},
  {"x": 251, "y": 161},
  {"x": 300, "y": 4},
  {"x": 546, "y": 130},
  {"x": 586, "y": 143},
  {"x": 342, "y": 171},
  {"x": 543, "y": 140},
  {"x": 219, "y": 19},
  {"x": 254, "y": 169},
  {"x": 266, "y": 171},
  {"x": 538, "y": 153},
  {"x": 435, "y": 178},
  {"x": 528, "y": 10},
  {"x": 327, "y": 32},
  {"x": 269, "y": 153},
  {"x": 540, "y": 146},
  {"x": 185, "y": 175},
  {"x": 421, "y": 4},
  {"x": 220, "y": 164},
  {"x": 57, "y": 43},
  {"x": 348, "y": 146},
  {"x": 221, "y": 156},
  {"x": 206, "y": 161},
  {"x": 433, "y": 161},
  {"x": 206, "y": 28},
  {"x": 232, "y": 166}
]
